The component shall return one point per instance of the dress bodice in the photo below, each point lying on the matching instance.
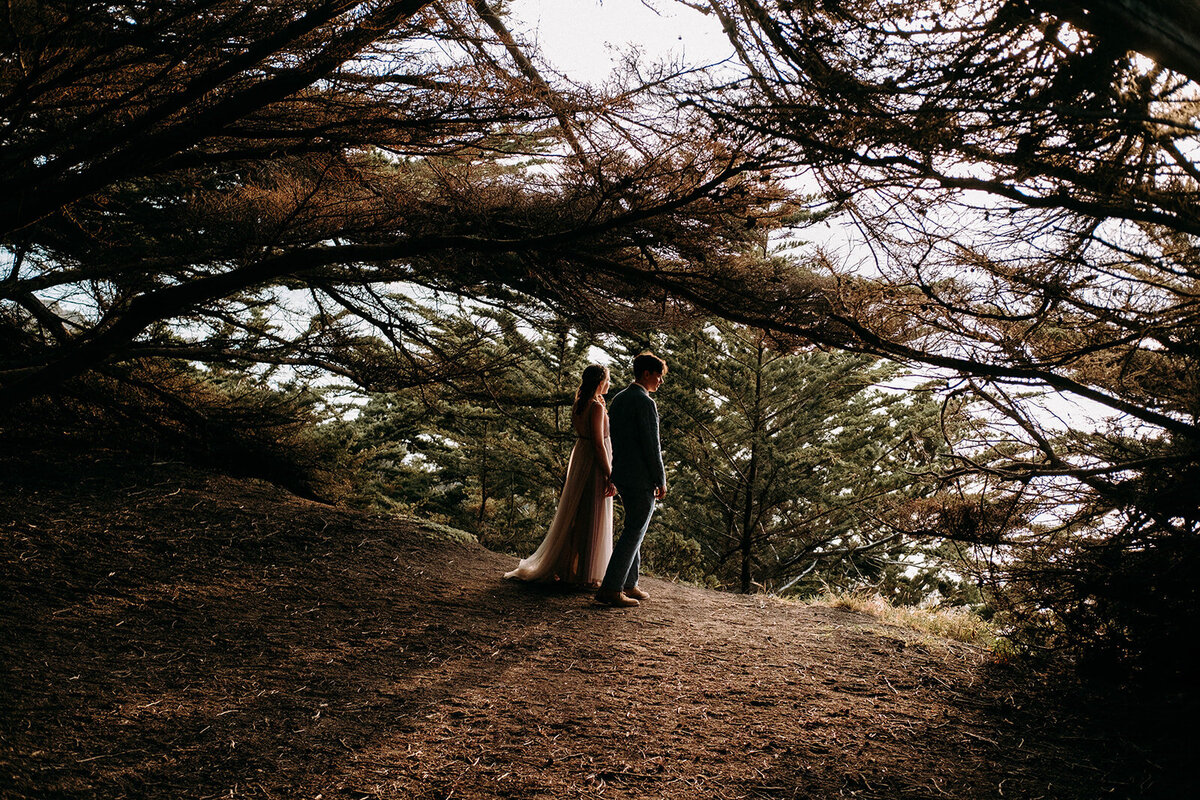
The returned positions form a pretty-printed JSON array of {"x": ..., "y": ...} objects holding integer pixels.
[{"x": 582, "y": 422}]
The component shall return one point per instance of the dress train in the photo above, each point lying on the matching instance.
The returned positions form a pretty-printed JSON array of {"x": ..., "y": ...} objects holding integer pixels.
[{"x": 580, "y": 540}]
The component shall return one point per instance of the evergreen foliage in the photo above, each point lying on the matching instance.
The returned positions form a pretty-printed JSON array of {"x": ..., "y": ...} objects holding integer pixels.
[
  {"x": 487, "y": 456},
  {"x": 176, "y": 172},
  {"x": 788, "y": 467},
  {"x": 287, "y": 183},
  {"x": 1027, "y": 188},
  {"x": 785, "y": 470},
  {"x": 157, "y": 410}
]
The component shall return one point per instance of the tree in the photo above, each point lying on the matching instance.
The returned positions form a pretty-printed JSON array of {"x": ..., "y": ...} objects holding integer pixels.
[
  {"x": 1026, "y": 191},
  {"x": 786, "y": 466},
  {"x": 215, "y": 180},
  {"x": 1165, "y": 30},
  {"x": 490, "y": 459}
]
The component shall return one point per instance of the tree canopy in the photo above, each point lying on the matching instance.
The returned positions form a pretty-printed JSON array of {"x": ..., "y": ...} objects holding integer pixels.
[
  {"x": 1024, "y": 194},
  {"x": 220, "y": 180},
  {"x": 792, "y": 470},
  {"x": 288, "y": 183}
]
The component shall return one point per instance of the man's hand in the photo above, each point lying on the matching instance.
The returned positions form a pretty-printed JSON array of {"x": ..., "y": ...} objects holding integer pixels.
[{"x": 660, "y": 492}]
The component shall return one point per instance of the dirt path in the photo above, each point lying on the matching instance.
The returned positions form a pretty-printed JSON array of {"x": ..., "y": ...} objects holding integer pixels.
[{"x": 171, "y": 634}]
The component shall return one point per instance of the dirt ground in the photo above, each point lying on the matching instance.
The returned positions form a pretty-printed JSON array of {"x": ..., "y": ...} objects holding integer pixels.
[{"x": 170, "y": 633}]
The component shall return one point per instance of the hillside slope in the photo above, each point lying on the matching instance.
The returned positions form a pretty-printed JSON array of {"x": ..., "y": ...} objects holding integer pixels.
[{"x": 170, "y": 633}]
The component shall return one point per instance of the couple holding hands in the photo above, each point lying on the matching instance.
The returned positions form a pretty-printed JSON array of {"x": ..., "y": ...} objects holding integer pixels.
[{"x": 616, "y": 451}]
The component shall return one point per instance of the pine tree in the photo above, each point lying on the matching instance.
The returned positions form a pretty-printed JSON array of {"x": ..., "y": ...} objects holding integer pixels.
[
  {"x": 784, "y": 466},
  {"x": 492, "y": 450}
]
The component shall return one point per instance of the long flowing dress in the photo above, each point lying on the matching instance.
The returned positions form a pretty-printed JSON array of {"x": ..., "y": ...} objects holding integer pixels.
[{"x": 580, "y": 541}]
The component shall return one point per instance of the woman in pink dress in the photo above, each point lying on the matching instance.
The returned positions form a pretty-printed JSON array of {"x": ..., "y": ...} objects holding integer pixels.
[{"x": 580, "y": 540}]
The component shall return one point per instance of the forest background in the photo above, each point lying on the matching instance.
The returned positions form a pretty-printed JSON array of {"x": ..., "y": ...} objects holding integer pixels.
[{"x": 211, "y": 209}]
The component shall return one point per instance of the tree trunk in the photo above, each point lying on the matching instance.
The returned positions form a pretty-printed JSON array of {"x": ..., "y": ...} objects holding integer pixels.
[
  {"x": 1167, "y": 31},
  {"x": 483, "y": 478},
  {"x": 751, "y": 477},
  {"x": 747, "y": 515}
]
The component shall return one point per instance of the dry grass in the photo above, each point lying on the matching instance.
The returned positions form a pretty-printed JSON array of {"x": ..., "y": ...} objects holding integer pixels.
[{"x": 958, "y": 624}]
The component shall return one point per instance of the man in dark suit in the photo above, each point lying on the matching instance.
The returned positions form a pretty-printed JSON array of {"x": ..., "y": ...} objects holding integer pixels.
[{"x": 638, "y": 473}]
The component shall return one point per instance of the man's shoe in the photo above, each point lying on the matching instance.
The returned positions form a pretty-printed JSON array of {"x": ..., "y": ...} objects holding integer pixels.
[
  {"x": 636, "y": 593},
  {"x": 616, "y": 600}
]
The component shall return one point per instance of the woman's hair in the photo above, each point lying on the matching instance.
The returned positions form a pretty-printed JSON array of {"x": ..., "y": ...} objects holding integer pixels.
[{"x": 593, "y": 375}]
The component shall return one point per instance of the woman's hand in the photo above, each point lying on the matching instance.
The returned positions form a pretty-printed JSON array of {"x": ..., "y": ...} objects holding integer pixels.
[{"x": 610, "y": 488}]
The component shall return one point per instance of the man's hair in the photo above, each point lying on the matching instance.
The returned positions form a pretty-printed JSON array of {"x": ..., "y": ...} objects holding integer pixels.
[{"x": 648, "y": 362}]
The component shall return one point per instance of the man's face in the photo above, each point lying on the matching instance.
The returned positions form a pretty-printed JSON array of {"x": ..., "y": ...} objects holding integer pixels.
[{"x": 652, "y": 381}]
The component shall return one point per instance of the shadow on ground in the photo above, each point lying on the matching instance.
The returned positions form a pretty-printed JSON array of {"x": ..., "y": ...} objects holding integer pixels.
[{"x": 169, "y": 633}]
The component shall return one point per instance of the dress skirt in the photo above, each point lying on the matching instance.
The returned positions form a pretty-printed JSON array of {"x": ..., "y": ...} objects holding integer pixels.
[{"x": 580, "y": 540}]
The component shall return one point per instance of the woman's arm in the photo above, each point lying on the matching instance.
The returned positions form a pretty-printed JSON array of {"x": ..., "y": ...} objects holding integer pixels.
[{"x": 597, "y": 425}]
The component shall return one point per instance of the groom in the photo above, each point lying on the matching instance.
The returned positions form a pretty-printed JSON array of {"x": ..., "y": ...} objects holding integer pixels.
[{"x": 637, "y": 471}]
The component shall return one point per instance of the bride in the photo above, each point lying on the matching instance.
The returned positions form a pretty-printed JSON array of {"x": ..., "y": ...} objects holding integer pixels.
[{"x": 580, "y": 540}]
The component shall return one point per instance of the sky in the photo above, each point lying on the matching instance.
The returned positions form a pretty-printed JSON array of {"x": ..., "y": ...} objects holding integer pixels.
[{"x": 584, "y": 38}]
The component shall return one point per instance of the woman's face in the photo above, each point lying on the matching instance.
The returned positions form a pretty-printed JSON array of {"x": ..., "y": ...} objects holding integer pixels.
[{"x": 603, "y": 385}]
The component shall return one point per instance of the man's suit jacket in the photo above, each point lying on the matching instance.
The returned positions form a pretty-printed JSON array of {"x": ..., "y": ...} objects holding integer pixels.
[{"x": 633, "y": 425}]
